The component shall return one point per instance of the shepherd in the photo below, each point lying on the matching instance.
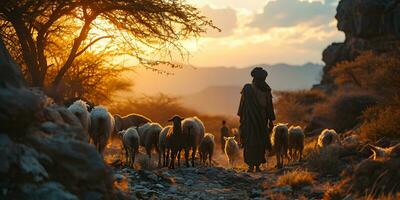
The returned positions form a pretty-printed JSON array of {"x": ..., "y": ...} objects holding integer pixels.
[{"x": 256, "y": 113}]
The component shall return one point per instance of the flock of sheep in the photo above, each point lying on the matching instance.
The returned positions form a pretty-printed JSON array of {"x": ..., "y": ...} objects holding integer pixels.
[{"x": 186, "y": 135}]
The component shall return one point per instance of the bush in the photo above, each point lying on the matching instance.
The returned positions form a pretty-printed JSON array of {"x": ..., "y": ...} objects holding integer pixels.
[
  {"x": 344, "y": 110},
  {"x": 296, "y": 179},
  {"x": 325, "y": 161},
  {"x": 381, "y": 121},
  {"x": 297, "y": 107}
]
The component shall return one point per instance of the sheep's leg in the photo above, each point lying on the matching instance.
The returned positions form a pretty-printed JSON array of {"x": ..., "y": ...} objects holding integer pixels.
[
  {"x": 148, "y": 151},
  {"x": 173, "y": 155},
  {"x": 187, "y": 156},
  {"x": 194, "y": 151},
  {"x": 168, "y": 157},
  {"x": 133, "y": 157},
  {"x": 209, "y": 159},
  {"x": 179, "y": 158},
  {"x": 278, "y": 162},
  {"x": 126, "y": 156},
  {"x": 300, "y": 154},
  {"x": 159, "y": 160}
]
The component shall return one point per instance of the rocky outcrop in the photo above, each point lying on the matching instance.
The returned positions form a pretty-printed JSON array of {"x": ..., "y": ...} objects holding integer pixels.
[
  {"x": 44, "y": 153},
  {"x": 368, "y": 25}
]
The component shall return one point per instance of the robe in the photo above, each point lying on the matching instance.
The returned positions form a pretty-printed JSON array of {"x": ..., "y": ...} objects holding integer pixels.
[{"x": 255, "y": 113}]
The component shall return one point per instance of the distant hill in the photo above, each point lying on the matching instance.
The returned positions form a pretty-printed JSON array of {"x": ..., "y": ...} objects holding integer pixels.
[{"x": 215, "y": 90}]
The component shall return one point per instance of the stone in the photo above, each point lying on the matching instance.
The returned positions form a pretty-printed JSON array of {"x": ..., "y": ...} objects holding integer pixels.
[
  {"x": 160, "y": 186},
  {"x": 283, "y": 189},
  {"x": 189, "y": 182},
  {"x": 119, "y": 177},
  {"x": 153, "y": 177},
  {"x": 173, "y": 189}
]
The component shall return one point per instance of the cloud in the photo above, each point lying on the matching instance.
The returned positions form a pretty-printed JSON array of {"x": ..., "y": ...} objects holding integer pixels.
[
  {"x": 224, "y": 18},
  {"x": 287, "y": 13}
]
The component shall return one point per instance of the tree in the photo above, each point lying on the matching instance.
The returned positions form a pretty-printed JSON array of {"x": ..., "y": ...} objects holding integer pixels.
[{"x": 33, "y": 29}]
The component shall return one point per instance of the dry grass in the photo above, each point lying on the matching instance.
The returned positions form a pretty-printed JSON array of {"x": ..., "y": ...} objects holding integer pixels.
[
  {"x": 325, "y": 161},
  {"x": 296, "y": 179},
  {"x": 383, "y": 197}
]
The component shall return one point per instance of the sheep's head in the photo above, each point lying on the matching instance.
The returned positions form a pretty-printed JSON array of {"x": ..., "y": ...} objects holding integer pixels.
[
  {"x": 117, "y": 123},
  {"x": 230, "y": 140},
  {"x": 176, "y": 120}
]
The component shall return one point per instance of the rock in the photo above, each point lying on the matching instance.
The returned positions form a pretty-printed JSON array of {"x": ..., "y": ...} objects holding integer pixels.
[
  {"x": 189, "y": 182},
  {"x": 283, "y": 189},
  {"x": 173, "y": 189},
  {"x": 160, "y": 186},
  {"x": 179, "y": 179},
  {"x": 119, "y": 177},
  {"x": 255, "y": 193},
  {"x": 153, "y": 177}
]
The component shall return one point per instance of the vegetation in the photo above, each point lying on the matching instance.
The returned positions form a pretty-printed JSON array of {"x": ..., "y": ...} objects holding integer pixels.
[
  {"x": 296, "y": 179},
  {"x": 47, "y": 37}
]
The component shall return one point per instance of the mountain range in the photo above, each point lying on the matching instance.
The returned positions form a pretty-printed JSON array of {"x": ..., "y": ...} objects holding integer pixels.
[{"x": 216, "y": 90}]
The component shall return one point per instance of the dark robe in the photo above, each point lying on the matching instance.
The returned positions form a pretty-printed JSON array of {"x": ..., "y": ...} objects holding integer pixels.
[{"x": 255, "y": 112}]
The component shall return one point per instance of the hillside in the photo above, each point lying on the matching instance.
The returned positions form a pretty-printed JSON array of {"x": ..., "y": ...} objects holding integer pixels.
[{"x": 295, "y": 77}]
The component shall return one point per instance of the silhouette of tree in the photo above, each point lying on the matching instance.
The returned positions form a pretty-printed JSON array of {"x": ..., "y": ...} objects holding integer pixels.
[{"x": 32, "y": 31}]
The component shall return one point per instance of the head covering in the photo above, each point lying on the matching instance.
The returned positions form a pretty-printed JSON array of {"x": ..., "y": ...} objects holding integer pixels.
[{"x": 259, "y": 75}]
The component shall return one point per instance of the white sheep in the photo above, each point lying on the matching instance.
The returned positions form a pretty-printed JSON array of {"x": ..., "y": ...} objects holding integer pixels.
[
  {"x": 193, "y": 129},
  {"x": 206, "y": 148},
  {"x": 162, "y": 146},
  {"x": 149, "y": 135},
  {"x": 327, "y": 137},
  {"x": 80, "y": 109},
  {"x": 232, "y": 151},
  {"x": 380, "y": 153},
  {"x": 279, "y": 141},
  {"x": 351, "y": 140},
  {"x": 296, "y": 142},
  {"x": 130, "y": 140},
  {"x": 102, "y": 126}
]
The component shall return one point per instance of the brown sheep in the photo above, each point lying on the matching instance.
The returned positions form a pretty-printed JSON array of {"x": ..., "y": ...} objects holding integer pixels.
[
  {"x": 206, "y": 148},
  {"x": 175, "y": 140},
  {"x": 279, "y": 140},
  {"x": 125, "y": 122},
  {"x": 296, "y": 142}
]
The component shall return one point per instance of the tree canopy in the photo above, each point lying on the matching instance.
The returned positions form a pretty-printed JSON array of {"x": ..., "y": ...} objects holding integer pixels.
[{"x": 47, "y": 36}]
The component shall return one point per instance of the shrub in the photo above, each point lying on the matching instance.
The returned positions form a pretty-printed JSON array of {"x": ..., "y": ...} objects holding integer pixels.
[
  {"x": 325, "y": 161},
  {"x": 296, "y": 179},
  {"x": 344, "y": 110},
  {"x": 381, "y": 121},
  {"x": 297, "y": 107}
]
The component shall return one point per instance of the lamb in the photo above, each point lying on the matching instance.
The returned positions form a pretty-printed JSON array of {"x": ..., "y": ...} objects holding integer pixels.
[
  {"x": 231, "y": 150},
  {"x": 149, "y": 135},
  {"x": 380, "y": 153},
  {"x": 296, "y": 142},
  {"x": 102, "y": 126},
  {"x": 236, "y": 134},
  {"x": 122, "y": 123},
  {"x": 327, "y": 137},
  {"x": 193, "y": 129},
  {"x": 130, "y": 140},
  {"x": 206, "y": 148},
  {"x": 162, "y": 146},
  {"x": 80, "y": 109},
  {"x": 279, "y": 140},
  {"x": 175, "y": 140}
]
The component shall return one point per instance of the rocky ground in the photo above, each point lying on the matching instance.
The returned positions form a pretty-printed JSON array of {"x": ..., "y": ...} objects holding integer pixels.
[{"x": 216, "y": 182}]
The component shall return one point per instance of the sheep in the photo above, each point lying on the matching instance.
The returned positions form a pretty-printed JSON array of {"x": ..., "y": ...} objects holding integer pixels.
[
  {"x": 231, "y": 150},
  {"x": 380, "y": 153},
  {"x": 130, "y": 140},
  {"x": 149, "y": 135},
  {"x": 327, "y": 137},
  {"x": 206, "y": 148},
  {"x": 125, "y": 122},
  {"x": 162, "y": 146},
  {"x": 296, "y": 142},
  {"x": 351, "y": 140},
  {"x": 236, "y": 134},
  {"x": 280, "y": 140},
  {"x": 80, "y": 109},
  {"x": 175, "y": 140},
  {"x": 102, "y": 126},
  {"x": 193, "y": 130}
]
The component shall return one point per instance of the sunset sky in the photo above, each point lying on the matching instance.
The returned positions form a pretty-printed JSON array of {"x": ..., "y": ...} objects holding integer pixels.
[{"x": 264, "y": 31}]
